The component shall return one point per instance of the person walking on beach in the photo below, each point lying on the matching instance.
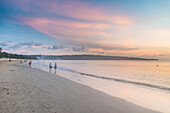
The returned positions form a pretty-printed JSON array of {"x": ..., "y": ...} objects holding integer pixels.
[
  {"x": 50, "y": 66},
  {"x": 30, "y": 63}
]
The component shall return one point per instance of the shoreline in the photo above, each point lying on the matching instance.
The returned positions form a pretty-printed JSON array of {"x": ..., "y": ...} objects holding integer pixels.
[{"x": 24, "y": 89}]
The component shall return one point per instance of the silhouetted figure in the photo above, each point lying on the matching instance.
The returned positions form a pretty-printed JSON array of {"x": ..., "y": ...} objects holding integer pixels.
[
  {"x": 30, "y": 63},
  {"x": 9, "y": 60}
]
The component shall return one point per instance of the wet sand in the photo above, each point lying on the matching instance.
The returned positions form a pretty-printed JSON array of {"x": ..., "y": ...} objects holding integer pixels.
[{"x": 29, "y": 90}]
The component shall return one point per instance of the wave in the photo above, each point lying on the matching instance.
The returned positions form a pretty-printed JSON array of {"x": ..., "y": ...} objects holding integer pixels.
[{"x": 114, "y": 79}]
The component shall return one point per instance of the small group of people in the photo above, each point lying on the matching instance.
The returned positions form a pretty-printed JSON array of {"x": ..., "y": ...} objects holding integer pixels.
[
  {"x": 30, "y": 62},
  {"x": 55, "y": 66},
  {"x": 50, "y": 67},
  {"x": 22, "y": 61}
]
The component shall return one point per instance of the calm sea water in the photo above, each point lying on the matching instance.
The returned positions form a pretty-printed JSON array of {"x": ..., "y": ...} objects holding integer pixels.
[{"x": 145, "y": 83}]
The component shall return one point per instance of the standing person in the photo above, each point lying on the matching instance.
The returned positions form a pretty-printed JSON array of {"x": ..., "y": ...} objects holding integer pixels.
[
  {"x": 30, "y": 63},
  {"x": 55, "y": 65},
  {"x": 50, "y": 66}
]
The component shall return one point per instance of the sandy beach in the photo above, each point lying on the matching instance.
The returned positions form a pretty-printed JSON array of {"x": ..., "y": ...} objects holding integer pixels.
[{"x": 29, "y": 90}]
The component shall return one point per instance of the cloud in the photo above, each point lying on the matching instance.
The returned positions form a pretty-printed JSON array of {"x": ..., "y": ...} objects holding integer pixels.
[
  {"x": 26, "y": 44},
  {"x": 78, "y": 33},
  {"x": 73, "y": 9},
  {"x": 65, "y": 29},
  {"x": 79, "y": 49},
  {"x": 55, "y": 47},
  {"x": 3, "y": 44},
  {"x": 75, "y": 49}
]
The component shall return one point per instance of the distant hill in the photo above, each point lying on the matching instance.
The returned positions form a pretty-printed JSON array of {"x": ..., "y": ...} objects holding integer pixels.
[{"x": 86, "y": 57}]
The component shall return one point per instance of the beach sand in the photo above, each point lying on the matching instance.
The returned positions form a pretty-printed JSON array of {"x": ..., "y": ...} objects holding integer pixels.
[{"x": 29, "y": 90}]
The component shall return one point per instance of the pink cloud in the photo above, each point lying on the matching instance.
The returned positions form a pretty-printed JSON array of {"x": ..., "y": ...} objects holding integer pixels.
[
  {"x": 71, "y": 30},
  {"x": 86, "y": 33},
  {"x": 74, "y": 9}
]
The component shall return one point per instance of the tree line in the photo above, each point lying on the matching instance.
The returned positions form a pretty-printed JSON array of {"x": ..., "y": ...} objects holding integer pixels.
[{"x": 15, "y": 56}]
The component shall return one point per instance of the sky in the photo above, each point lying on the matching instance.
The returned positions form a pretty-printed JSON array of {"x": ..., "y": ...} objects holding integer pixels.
[{"x": 137, "y": 28}]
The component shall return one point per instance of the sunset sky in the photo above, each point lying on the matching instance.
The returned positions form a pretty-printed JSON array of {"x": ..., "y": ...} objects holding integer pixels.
[{"x": 138, "y": 28}]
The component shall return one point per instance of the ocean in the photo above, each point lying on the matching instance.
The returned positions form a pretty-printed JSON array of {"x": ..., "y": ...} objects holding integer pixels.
[{"x": 145, "y": 83}]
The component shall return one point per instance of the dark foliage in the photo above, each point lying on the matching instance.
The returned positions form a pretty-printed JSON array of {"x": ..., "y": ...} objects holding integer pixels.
[{"x": 15, "y": 56}]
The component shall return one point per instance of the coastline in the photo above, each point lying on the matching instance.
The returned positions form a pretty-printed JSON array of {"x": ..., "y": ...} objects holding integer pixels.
[{"x": 27, "y": 90}]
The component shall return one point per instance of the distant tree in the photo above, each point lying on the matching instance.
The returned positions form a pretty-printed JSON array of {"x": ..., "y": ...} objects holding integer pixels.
[{"x": 0, "y": 49}]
